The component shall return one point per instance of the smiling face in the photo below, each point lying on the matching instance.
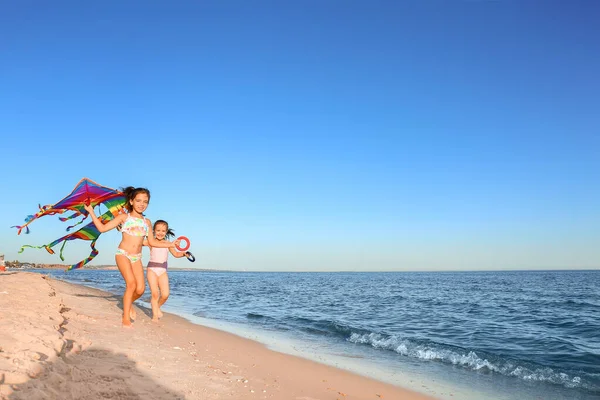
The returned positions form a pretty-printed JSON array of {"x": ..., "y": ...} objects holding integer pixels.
[
  {"x": 160, "y": 231},
  {"x": 140, "y": 202}
]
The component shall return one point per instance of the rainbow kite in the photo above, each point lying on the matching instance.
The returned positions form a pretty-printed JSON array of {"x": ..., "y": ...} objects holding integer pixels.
[{"x": 85, "y": 192}]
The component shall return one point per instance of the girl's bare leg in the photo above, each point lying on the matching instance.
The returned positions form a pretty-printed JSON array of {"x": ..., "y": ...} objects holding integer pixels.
[
  {"x": 154, "y": 290},
  {"x": 163, "y": 285},
  {"x": 140, "y": 285},
  {"x": 125, "y": 268}
]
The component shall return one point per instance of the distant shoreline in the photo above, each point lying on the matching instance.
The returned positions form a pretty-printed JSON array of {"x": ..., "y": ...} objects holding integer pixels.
[
  {"x": 25, "y": 266},
  {"x": 99, "y": 268}
]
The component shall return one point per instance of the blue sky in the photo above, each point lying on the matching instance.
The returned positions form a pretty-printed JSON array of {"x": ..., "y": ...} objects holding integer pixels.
[{"x": 312, "y": 135}]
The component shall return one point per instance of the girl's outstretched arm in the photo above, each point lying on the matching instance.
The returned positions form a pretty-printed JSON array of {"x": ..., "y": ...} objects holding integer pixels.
[
  {"x": 104, "y": 227},
  {"x": 177, "y": 254}
]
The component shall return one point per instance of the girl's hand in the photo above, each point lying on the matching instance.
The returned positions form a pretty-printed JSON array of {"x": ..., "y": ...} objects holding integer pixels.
[
  {"x": 177, "y": 243},
  {"x": 88, "y": 208}
]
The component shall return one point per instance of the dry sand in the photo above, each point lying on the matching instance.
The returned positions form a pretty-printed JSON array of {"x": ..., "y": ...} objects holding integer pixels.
[{"x": 64, "y": 341}]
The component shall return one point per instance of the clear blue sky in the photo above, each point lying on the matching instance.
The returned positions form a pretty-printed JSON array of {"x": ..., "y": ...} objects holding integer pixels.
[{"x": 312, "y": 135}]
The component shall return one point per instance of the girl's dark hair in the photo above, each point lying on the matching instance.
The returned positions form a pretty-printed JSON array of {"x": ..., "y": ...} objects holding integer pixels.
[
  {"x": 130, "y": 192},
  {"x": 170, "y": 232}
]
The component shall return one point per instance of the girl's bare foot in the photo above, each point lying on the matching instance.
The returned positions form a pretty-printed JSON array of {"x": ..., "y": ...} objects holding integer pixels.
[
  {"x": 127, "y": 323},
  {"x": 160, "y": 314},
  {"x": 132, "y": 313},
  {"x": 154, "y": 319}
]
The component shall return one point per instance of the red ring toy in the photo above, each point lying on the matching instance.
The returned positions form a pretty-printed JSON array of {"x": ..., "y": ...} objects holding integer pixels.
[{"x": 186, "y": 240}]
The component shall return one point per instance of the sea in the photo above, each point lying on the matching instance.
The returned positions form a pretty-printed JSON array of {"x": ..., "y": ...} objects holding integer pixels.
[{"x": 452, "y": 335}]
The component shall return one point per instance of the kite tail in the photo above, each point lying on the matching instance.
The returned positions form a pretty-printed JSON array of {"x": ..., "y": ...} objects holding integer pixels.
[
  {"x": 74, "y": 215},
  {"x": 30, "y": 218},
  {"x": 20, "y": 228},
  {"x": 73, "y": 226},
  {"x": 61, "y": 250},
  {"x": 48, "y": 246},
  {"x": 45, "y": 246},
  {"x": 81, "y": 263}
]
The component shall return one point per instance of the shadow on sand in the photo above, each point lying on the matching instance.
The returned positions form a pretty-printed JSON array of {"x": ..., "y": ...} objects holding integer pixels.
[{"x": 94, "y": 373}]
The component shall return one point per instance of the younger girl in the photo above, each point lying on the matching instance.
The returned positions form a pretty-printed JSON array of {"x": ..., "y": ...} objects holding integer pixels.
[
  {"x": 158, "y": 280},
  {"x": 134, "y": 228}
]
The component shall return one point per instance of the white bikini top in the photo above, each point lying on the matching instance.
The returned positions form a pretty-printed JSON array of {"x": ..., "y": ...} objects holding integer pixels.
[{"x": 135, "y": 226}]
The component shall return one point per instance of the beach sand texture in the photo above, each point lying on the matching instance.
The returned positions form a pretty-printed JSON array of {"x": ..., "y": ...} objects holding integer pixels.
[{"x": 64, "y": 341}]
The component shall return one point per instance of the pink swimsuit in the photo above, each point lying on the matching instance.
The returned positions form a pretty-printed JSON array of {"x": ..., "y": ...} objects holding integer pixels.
[{"x": 158, "y": 260}]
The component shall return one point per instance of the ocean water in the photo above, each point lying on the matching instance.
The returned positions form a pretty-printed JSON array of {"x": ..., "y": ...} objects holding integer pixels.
[{"x": 472, "y": 335}]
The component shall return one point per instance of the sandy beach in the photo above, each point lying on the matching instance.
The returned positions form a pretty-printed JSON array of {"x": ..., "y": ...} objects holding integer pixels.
[{"x": 65, "y": 341}]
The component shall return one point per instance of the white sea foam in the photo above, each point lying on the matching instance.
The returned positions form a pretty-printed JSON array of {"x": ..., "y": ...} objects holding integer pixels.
[{"x": 466, "y": 359}]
